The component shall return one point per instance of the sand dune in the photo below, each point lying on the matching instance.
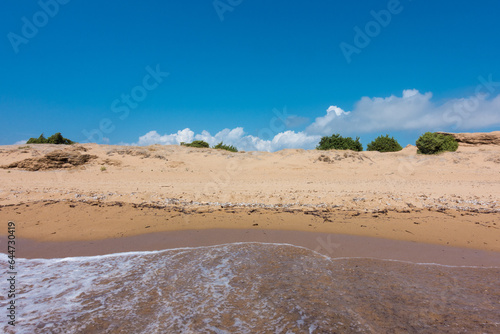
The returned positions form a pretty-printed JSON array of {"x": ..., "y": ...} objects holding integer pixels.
[
  {"x": 465, "y": 183},
  {"x": 466, "y": 179}
]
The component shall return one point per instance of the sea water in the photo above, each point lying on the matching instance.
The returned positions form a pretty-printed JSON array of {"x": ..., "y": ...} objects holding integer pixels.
[{"x": 249, "y": 288}]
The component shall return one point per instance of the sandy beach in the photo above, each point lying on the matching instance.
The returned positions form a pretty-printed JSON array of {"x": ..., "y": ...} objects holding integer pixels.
[
  {"x": 95, "y": 192},
  {"x": 250, "y": 167}
]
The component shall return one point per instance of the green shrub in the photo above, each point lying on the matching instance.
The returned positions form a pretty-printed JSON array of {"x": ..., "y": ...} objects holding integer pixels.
[
  {"x": 432, "y": 143},
  {"x": 337, "y": 142},
  {"x": 221, "y": 146},
  {"x": 56, "y": 138},
  {"x": 384, "y": 144},
  {"x": 39, "y": 140},
  {"x": 196, "y": 143}
]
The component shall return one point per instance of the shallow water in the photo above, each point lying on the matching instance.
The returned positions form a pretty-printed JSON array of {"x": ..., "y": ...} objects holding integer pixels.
[{"x": 250, "y": 288}]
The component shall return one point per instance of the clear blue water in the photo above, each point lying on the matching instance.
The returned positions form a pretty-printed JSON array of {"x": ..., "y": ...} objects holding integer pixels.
[{"x": 250, "y": 288}]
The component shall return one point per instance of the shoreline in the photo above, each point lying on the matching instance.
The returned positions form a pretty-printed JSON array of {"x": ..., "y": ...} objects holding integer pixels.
[
  {"x": 335, "y": 246},
  {"x": 54, "y": 229},
  {"x": 80, "y": 221},
  {"x": 450, "y": 199}
]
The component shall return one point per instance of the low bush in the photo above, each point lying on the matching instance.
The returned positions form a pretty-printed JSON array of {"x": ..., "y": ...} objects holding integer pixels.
[
  {"x": 39, "y": 140},
  {"x": 221, "y": 146},
  {"x": 56, "y": 138},
  {"x": 433, "y": 143},
  {"x": 384, "y": 144},
  {"x": 337, "y": 142},
  {"x": 197, "y": 143}
]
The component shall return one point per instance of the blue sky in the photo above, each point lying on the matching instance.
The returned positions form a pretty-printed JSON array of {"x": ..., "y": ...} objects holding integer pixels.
[{"x": 257, "y": 74}]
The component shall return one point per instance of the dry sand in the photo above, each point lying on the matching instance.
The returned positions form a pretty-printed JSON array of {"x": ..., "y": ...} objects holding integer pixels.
[{"x": 122, "y": 191}]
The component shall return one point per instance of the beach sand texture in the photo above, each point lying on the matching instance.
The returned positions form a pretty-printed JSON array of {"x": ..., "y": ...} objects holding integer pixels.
[
  {"x": 291, "y": 241},
  {"x": 89, "y": 191}
]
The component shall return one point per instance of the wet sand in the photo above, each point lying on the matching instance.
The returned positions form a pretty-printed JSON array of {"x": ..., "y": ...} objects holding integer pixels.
[
  {"x": 331, "y": 245},
  {"x": 74, "y": 221},
  {"x": 121, "y": 193},
  {"x": 253, "y": 288},
  {"x": 358, "y": 208},
  {"x": 56, "y": 229}
]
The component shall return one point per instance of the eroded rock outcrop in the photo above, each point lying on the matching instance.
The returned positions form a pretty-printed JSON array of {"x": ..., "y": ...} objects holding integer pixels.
[
  {"x": 479, "y": 138},
  {"x": 54, "y": 160}
]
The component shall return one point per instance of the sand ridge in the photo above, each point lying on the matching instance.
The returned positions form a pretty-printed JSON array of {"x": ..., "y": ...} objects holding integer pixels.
[
  {"x": 466, "y": 179},
  {"x": 450, "y": 198}
]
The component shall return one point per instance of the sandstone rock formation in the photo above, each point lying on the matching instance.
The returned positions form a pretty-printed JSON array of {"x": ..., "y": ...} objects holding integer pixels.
[
  {"x": 53, "y": 160},
  {"x": 479, "y": 138}
]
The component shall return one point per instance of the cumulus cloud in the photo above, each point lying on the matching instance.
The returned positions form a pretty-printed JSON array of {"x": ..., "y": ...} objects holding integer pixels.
[
  {"x": 336, "y": 110},
  {"x": 20, "y": 142},
  {"x": 472, "y": 113},
  {"x": 323, "y": 124},
  {"x": 153, "y": 137},
  {"x": 410, "y": 111},
  {"x": 236, "y": 137}
]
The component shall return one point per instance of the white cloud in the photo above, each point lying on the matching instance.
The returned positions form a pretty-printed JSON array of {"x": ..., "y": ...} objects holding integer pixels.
[
  {"x": 336, "y": 110},
  {"x": 20, "y": 142},
  {"x": 153, "y": 137},
  {"x": 472, "y": 113},
  {"x": 412, "y": 111},
  {"x": 291, "y": 139},
  {"x": 236, "y": 137},
  {"x": 227, "y": 136},
  {"x": 410, "y": 92},
  {"x": 322, "y": 124}
]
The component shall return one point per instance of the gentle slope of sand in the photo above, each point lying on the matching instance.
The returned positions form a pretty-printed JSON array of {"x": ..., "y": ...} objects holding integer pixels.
[{"x": 447, "y": 199}]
